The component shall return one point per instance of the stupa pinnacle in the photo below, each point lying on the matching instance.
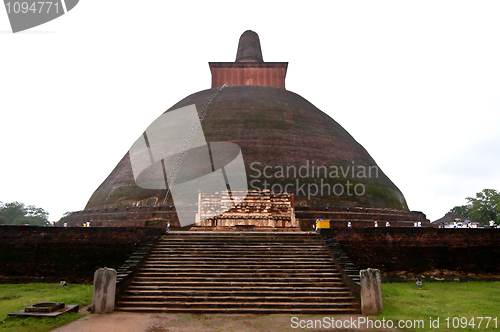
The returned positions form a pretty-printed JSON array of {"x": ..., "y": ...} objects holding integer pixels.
[
  {"x": 249, "y": 67},
  {"x": 249, "y": 48}
]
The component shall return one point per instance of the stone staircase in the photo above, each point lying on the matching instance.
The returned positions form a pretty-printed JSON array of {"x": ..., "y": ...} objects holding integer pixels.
[
  {"x": 239, "y": 272},
  {"x": 344, "y": 263}
]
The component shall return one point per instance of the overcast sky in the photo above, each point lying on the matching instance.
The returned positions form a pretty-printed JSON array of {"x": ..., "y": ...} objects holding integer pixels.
[{"x": 416, "y": 83}]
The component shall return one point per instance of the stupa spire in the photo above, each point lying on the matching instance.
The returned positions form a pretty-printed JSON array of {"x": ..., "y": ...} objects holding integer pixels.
[
  {"x": 249, "y": 48},
  {"x": 249, "y": 67}
]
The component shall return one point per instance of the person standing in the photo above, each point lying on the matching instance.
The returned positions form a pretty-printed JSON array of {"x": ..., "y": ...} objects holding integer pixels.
[
  {"x": 168, "y": 227},
  {"x": 316, "y": 226}
]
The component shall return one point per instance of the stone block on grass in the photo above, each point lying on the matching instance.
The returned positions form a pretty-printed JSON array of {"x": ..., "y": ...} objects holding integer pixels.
[
  {"x": 103, "y": 297},
  {"x": 371, "y": 292}
]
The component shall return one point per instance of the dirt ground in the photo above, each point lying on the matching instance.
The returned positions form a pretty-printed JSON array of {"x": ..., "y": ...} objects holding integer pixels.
[{"x": 150, "y": 322}]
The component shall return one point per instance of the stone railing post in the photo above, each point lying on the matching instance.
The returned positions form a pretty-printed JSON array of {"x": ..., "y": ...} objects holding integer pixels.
[
  {"x": 103, "y": 298},
  {"x": 371, "y": 292}
]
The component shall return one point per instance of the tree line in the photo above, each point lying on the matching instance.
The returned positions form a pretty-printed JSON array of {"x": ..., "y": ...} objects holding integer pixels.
[{"x": 16, "y": 213}]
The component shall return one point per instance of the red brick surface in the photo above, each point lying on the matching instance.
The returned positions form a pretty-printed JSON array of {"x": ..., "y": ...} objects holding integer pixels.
[
  {"x": 72, "y": 254},
  {"x": 419, "y": 250}
]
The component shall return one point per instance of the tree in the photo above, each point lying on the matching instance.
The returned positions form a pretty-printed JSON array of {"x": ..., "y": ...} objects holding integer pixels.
[
  {"x": 463, "y": 210},
  {"x": 12, "y": 211},
  {"x": 3, "y": 220},
  {"x": 38, "y": 216},
  {"x": 16, "y": 213},
  {"x": 23, "y": 221},
  {"x": 482, "y": 208},
  {"x": 485, "y": 206}
]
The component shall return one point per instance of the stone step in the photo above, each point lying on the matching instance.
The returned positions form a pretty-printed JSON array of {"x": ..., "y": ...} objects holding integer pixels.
[
  {"x": 268, "y": 260},
  {"x": 245, "y": 247},
  {"x": 237, "y": 263},
  {"x": 237, "y": 304},
  {"x": 249, "y": 265},
  {"x": 237, "y": 285},
  {"x": 238, "y": 275},
  {"x": 247, "y": 298},
  {"x": 254, "y": 293},
  {"x": 243, "y": 253},
  {"x": 227, "y": 247},
  {"x": 256, "y": 240},
  {"x": 239, "y": 269},
  {"x": 270, "y": 253},
  {"x": 238, "y": 243},
  {"x": 167, "y": 257},
  {"x": 216, "y": 255},
  {"x": 200, "y": 278},
  {"x": 255, "y": 243},
  {"x": 331, "y": 311},
  {"x": 241, "y": 234},
  {"x": 230, "y": 240},
  {"x": 282, "y": 288},
  {"x": 166, "y": 239},
  {"x": 223, "y": 245},
  {"x": 242, "y": 269},
  {"x": 352, "y": 272}
]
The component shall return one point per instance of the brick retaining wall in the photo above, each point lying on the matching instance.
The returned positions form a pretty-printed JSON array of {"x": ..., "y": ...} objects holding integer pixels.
[
  {"x": 72, "y": 254},
  {"x": 420, "y": 250}
]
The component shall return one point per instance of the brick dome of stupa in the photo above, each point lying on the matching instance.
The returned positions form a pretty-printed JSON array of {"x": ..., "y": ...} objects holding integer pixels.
[{"x": 286, "y": 142}]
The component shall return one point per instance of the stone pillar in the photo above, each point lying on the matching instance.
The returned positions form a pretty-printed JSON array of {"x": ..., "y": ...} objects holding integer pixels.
[
  {"x": 371, "y": 292},
  {"x": 103, "y": 298}
]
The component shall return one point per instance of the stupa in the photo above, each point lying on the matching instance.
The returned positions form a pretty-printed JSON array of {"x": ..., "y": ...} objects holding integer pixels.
[{"x": 287, "y": 145}]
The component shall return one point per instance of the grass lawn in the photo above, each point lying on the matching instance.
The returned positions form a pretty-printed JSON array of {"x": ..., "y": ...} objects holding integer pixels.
[
  {"x": 404, "y": 301},
  {"x": 15, "y": 297}
]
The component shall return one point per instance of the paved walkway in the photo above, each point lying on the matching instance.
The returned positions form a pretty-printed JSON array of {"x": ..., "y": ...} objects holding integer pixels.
[
  {"x": 141, "y": 322},
  {"x": 119, "y": 322}
]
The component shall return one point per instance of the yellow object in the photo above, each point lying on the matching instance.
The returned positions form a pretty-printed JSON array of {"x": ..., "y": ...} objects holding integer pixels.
[{"x": 323, "y": 223}]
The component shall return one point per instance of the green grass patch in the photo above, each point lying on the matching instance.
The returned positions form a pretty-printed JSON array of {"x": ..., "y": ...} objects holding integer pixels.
[
  {"x": 15, "y": 297},
  {"x": 461, "y": 303}
]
